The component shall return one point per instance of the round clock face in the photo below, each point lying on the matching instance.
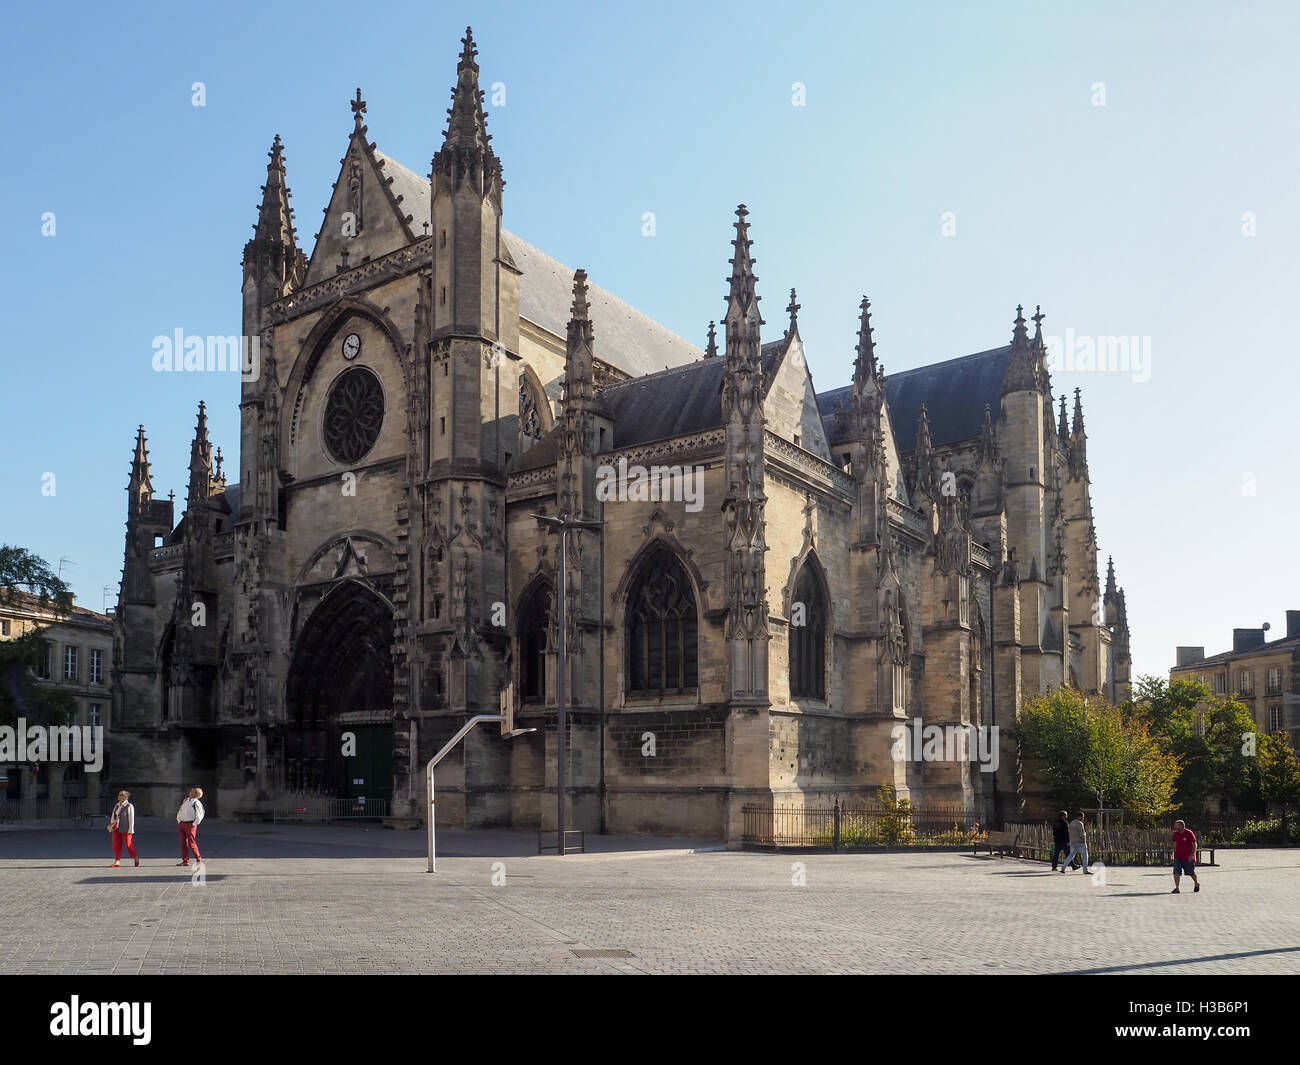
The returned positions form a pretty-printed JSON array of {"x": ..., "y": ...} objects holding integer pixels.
[{"x": 351, "y": 346}]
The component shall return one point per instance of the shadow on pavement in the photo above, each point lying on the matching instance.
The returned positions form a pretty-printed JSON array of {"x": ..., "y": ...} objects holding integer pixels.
[{"x": 156, "y": 839}]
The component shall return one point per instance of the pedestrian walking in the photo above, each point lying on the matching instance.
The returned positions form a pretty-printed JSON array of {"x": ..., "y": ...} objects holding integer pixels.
[
  {"x": 188, "y": 819},
  {"x": 121, "y": 822},
  {"x": 1060, "y": 837},
  {"x": 1184, "y": 855},
  {"x": 1078, "y": 844}
]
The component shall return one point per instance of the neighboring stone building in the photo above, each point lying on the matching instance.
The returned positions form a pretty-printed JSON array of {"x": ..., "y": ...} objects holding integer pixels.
[
  {"x": 429, "y": 382},
  {"x": 1264, "y": 674},
  {"x": 78, "y": 653}
]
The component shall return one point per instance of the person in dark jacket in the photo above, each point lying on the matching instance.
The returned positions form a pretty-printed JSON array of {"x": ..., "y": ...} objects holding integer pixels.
[{"x": 1061, "y": 840}]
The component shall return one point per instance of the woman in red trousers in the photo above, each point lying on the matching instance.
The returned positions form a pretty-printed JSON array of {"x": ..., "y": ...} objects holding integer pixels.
[{"x": 121, "y": 822}]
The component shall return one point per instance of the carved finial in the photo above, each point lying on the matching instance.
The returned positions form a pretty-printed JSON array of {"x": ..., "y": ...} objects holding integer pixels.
[
  {"x": 1078, "y": 411},
  {"x": 711, "y": 349},
  {"x": 1063, "y": 427},
  {"x": 580, "y": 294},
  {"x": 358, "y": 108},
  {"x": 1019, "y": 334},
  {"x": 793, "y": 310},
  {"x": 742, "y": 299}
]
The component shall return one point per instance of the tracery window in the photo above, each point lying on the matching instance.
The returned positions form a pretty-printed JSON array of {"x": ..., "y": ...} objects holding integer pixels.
[
  {"x": 354, "y": 413},
  {"x": 808, "y": 636},
  {"x": 534, "y": 622},
  {"x": 662, "y": 628}
]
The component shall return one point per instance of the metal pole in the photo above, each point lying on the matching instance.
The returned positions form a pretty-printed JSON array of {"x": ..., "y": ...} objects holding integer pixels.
[
  {"x": 560, "y": 693},
  {"x": 428, "y": 769}
]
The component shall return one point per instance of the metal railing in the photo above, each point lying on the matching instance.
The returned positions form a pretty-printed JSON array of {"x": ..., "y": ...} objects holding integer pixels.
[
  {"x": 865, "y": 825},
  {"x": 327, "y": 808}
]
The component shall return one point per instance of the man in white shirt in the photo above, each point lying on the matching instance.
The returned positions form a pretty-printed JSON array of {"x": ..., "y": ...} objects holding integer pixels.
[{"x": 188, "y": 819}]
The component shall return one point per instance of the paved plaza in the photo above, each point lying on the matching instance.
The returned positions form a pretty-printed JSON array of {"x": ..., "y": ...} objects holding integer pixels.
[{"x": 354, "y": 898}]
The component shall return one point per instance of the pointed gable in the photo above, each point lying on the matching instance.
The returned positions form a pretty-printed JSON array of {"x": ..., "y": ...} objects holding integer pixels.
[{"x": 366, "y": 217}]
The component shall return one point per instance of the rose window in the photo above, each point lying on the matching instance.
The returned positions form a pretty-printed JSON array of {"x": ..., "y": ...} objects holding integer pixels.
[{"x": 354, "y": 413}]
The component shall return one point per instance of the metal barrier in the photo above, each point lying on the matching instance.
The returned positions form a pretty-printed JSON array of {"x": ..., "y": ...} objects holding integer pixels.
[
  {"x": 327, "y": 808},
  {"x": 868, "y": 825}
]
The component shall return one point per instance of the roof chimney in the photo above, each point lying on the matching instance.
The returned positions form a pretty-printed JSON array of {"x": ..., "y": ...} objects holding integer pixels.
[
  {"x": 1292, "y": 623},
  {"x": 1188, "y": 655},
  {"x": 1245, "y": 639}
]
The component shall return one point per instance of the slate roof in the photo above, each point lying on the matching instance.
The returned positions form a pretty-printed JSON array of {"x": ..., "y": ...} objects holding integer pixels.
[
  {"x": 1285, "y": 643},
  {"x": 625, "y": 338},
  {"x": 954, "y": 393},
  {"x": 676, "y": 402},
  {"x": 21, "y": 600}
]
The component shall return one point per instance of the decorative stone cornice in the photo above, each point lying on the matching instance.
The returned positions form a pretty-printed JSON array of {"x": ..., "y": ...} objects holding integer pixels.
[
  {"x": 824, "y": 472},
  {"x": 365, "y": 276}
]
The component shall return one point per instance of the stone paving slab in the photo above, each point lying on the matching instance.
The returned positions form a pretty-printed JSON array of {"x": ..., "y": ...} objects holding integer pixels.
[{"x": 290, "y": 899}]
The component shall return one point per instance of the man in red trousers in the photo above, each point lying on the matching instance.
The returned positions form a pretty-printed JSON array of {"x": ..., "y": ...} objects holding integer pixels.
[{"x": 188, "y": 819}]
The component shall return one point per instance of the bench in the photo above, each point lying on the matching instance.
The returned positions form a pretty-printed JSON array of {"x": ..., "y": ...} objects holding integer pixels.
[{"x": 1000, "y": 843}]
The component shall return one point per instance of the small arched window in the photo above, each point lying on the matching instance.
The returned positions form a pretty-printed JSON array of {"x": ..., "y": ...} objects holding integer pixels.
[
  {"x": 808, "y": 636},
  {"x": 534, "y": 623},
  {"x": 662, "y": 628}
]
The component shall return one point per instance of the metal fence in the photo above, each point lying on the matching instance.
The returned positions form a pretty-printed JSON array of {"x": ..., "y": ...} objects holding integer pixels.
[
  {"x": 70, "y": 810},
  {"x": 327, "y": 808},
  {"x": 865, "y": 825}
]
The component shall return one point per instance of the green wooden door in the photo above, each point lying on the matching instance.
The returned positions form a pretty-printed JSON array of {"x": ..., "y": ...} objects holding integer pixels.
[{"x": 370, "y": 770}]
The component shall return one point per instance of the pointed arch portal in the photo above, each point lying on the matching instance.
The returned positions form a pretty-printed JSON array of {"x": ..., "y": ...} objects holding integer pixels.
[{"x": 342, "y": 665}]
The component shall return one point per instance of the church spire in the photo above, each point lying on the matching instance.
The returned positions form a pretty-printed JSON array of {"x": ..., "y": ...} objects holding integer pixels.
[
  {"x": 866, "y": 371},
  {"x": 274, "y": 249},
  {"x": 1063, "y": 430},
  {"x": 466, "y": 152},
  {"x": 581, "y": 336},
  {"x": 140, "y": 488},
  {"x": 1111, "y": 591},
  {"x": 711, "y": 349},
  {"x": 988, "y": 437},
  {"x": 1024, "y": 368},
  {"x": 200, "y": 461},
  {"x": 1078, "y": 412},
  {"x": 742, "y": 387},
  {"x": 742, "y": 298},
  {"x": 575, "y": 427}
]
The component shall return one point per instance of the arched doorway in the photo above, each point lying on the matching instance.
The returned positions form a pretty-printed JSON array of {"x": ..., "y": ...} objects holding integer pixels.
[{"x": 341, "y": 680}]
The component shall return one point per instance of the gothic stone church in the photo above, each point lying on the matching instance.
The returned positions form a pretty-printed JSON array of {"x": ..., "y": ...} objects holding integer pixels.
[{"x": 430, "y": 382}]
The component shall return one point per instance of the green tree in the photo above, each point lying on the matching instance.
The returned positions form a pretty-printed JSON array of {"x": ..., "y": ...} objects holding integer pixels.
[
  {"x": 25, "y": 574},
  {"x": 1091, "y": 753},
  {"x": 1209, "y": 737},
  {"x": 1279, "y": 773}
]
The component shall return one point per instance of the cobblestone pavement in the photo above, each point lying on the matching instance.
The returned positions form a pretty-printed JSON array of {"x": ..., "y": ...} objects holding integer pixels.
[{"x": 289, "y": 899}]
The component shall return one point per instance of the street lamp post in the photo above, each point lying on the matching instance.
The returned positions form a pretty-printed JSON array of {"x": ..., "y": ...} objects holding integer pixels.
[{"x": 563, "y": 524}]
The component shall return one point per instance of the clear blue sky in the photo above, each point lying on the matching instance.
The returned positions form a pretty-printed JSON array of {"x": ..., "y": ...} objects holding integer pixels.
[{"x": 1120, "y": 220}]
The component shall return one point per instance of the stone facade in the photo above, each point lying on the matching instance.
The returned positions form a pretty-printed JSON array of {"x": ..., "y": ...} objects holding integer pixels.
[
  {"x": 1262, "y": 673},
  {"x": 79, "y": 654},
  {"x": 825, "y": 567}
]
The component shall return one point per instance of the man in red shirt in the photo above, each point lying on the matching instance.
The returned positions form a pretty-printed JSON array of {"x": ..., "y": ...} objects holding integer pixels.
[{"x": 1184, "y": 855}]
